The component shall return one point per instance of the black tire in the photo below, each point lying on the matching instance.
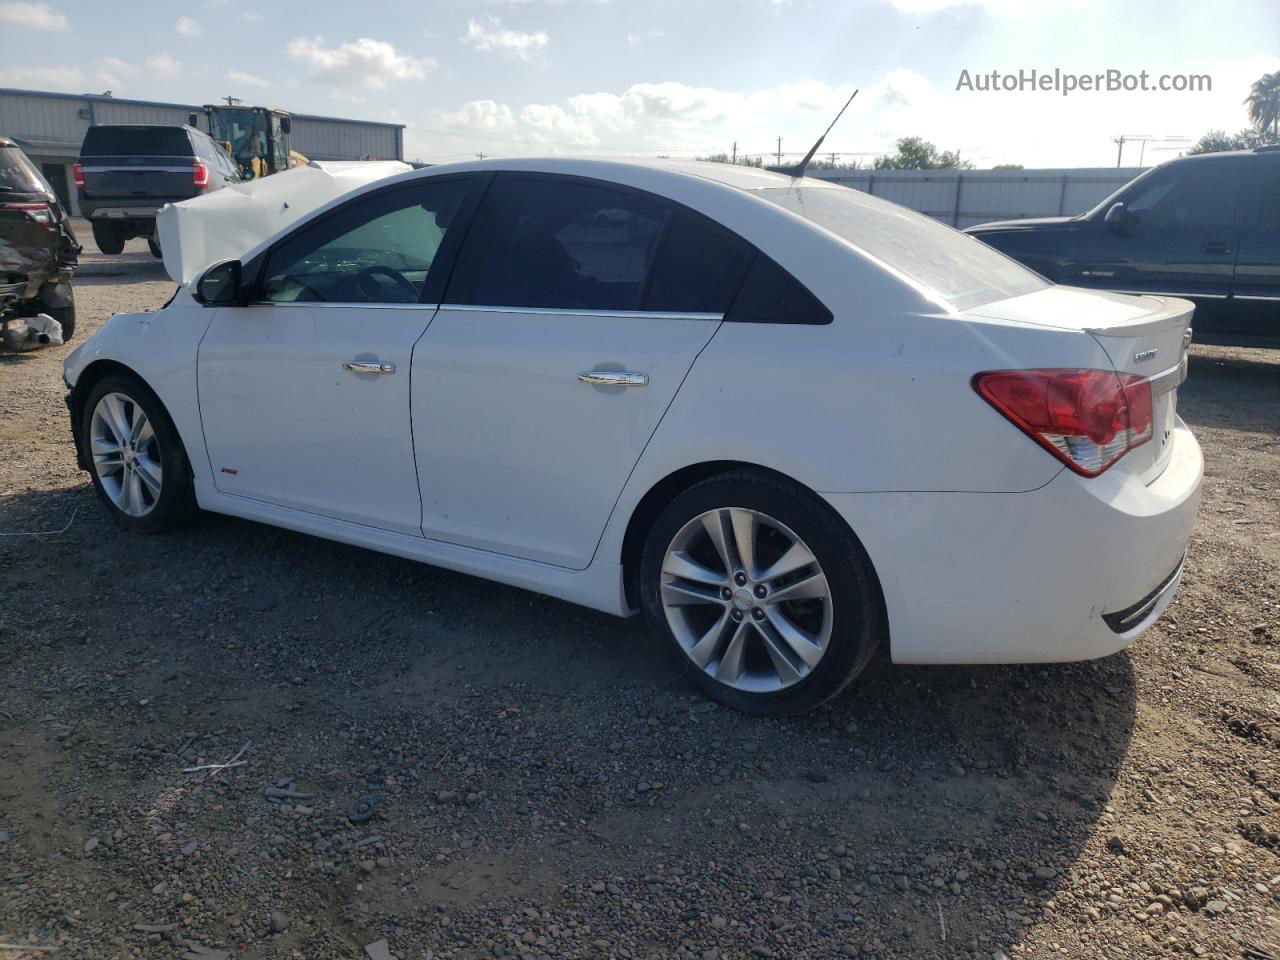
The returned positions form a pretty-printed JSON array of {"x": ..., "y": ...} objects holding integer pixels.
[
  {"x": 108, "y": 237},
  {"x": 154, "y": 246},
  {"x": 66, "y": 316},
  {"x": 858, "y": 618},
  {"x": 176, "y": 504}
]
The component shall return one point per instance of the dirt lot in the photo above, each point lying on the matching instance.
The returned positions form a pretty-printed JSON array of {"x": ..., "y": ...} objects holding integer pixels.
[{"x": 546, "y": 785}]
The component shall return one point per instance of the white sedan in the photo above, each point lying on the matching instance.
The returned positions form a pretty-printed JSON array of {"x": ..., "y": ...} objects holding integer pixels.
[{"x": 787, "y": 421}]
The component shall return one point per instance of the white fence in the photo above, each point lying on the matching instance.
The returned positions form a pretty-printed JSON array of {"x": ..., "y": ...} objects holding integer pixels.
[{"x": 962, "y": 198}]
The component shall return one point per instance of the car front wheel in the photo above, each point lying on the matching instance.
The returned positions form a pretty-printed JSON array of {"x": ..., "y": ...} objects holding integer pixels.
[
  {"x": 762, "y": 592},
  {"x": 135, "y": 457}
]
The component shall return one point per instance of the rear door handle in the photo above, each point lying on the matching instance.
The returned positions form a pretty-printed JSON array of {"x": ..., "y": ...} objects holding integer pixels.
[
  {"x": 1216, "y": 247},
  {"x": 614, "y": 378},
  {"x": 368, "y": 366}
]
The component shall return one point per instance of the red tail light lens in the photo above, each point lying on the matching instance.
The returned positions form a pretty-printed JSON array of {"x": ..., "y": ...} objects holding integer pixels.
[
  {"x": 39, "y": 212},
  {"x": 1088, "y": 419},
  {"x": 200, "y": 174},
  {"x": 77, "y": 174}
]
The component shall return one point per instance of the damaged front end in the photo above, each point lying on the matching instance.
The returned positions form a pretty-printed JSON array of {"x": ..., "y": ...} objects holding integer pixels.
[{"x": 38, "y": 256}]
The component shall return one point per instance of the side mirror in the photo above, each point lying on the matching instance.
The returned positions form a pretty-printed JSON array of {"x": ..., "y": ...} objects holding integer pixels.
[
  {"x": 286, "y": 125},
  {"x": 220, "y": 284},
  {"x": 1118, "y": 218}
]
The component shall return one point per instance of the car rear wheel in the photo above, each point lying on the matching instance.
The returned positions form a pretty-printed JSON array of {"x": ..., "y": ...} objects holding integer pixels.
[
  {"x": 135, "y": 457},
  {"x": 65, "y": 315},
  {"x": 108, "y": 237},
  {"x": 762, "y": 592},
  {"x": 154, "y": 246}
]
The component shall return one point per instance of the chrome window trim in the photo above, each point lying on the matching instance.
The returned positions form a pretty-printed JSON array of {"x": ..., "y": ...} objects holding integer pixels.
[
  {"x": 131, "y": 169},
  {"x": 1254, "y": 296},
  {"x": 328, "y": 304},
  {"x": 571, "y": 312}
]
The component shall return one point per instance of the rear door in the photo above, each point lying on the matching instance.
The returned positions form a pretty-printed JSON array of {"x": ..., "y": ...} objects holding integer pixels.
[
  {"x": 1257, "y": 275},
  {"x": 550, "y": 364},
  {"x": 1182, "y": 238},
  {"x": 151, "y": 165}
]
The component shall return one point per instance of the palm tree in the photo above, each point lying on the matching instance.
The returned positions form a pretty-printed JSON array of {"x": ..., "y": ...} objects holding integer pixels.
[{"x": 1264, "y": 103}]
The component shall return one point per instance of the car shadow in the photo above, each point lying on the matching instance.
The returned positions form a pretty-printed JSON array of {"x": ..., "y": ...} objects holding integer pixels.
[{"x": 965, "y": 792}]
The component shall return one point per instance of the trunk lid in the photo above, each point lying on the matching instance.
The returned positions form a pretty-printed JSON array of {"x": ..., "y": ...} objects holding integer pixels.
[{"x": 1146, "y": 336}]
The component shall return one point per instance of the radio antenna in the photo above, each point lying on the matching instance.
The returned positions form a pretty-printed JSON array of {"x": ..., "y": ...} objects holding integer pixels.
[{"x": 797, "y": 170}]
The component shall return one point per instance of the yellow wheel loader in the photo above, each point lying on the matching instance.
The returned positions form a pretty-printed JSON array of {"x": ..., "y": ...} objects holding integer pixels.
[{"x": 256, "y": 137}]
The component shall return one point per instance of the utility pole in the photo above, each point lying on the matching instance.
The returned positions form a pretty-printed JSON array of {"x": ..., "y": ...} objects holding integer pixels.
[
  {"x": 480, "y": 156},
  {"x": 779, "y": 151},
  {"x": 833, "y": 159},
  {"x": 735, "y": 151},
  {"x": 231, "y": 101},
  {"x": 1119, "y": 141}
]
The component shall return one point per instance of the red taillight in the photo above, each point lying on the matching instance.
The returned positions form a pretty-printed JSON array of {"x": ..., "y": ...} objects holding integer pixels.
[
  {"x": 77, "y": 174},
  {"x": 1088, "y": 419},
  {"x": 39, "y": 212},
  {"x": 200, "y": 174}
]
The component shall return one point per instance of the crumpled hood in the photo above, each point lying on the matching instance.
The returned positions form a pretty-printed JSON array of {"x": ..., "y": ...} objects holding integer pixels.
[{"x": 228, "y": 223}]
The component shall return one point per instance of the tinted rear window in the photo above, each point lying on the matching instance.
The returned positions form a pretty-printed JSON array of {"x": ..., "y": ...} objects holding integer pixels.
[
  {"x": 136, "y": 142},
  {"x": 17, "y": 175},
  {"x": 771, "y": 295},
  {"x": 961, "y": 271},
  {"x": 699, "y": 267}
]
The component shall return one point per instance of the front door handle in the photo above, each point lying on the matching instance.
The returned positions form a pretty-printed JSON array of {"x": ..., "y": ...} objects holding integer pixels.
[
  {"x": 368, "y": 366},
  {"x": 614, "y": 378},
  {"x": 1215, "y": 247}
]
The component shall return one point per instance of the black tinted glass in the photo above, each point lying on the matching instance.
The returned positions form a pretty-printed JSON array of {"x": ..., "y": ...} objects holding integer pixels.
[
  {"x": 771, "y": 295},
  {"x": 558, "y": 244},
  {"x": 17, "y": 174},
  {"x": 699, "y": 267},
  {"x": 1269, "y": 201},
  {"x": 1201, "y": 193},
  {"x": 378, "y": 249},
  {"x": 125, "y": 141}
]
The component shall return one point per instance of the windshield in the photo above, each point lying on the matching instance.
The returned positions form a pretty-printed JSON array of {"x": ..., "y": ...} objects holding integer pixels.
[
  {"x": 18, "y": 175},
  {"x": 244, "y": 129},
  {"x": 961, "y": 271}
]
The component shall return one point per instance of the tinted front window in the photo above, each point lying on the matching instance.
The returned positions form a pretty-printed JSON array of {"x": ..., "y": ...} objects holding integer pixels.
[
  {"x": 17, "y": 174},
  {"x": 379, "y": 249},
  {"x": 699, "y": 267},
  {"x": 960, "y": 270},
  {"x": 547, "y": 243},
  {"x": 1201, "y": 193},
  {"x": 127, "y": 141}
]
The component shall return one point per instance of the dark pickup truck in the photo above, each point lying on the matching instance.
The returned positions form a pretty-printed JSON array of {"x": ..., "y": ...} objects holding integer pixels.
[
  {"x": 1206, "y": 228},
  {"x": 127, "y": 172}
]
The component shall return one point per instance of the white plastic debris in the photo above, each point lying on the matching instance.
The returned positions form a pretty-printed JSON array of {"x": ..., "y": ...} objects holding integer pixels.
[
  {"x": 228, "y": 223},
  {"x": 28, "y": 333}
]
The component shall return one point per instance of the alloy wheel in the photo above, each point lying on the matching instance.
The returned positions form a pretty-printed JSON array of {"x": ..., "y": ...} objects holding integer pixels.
[
  {"x": 126, "y": 455},
  {"x": 746, "y": 600}
]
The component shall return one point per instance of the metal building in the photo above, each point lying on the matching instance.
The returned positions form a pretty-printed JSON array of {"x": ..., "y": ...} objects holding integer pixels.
[{"x": 50, "y": 128}]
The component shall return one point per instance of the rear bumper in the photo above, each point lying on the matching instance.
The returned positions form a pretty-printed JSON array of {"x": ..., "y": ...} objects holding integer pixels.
[
  {"x": 1072, "y": 571},
  {"x": 132, "y": 212}
]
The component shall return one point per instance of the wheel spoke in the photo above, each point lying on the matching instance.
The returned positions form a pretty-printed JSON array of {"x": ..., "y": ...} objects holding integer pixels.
[
  {"x": 113, "y": 417},
  {"x": 704, "y": 651},
  {"x": 714, "y": 524},
  {"x": 729, "y": 669},
  {"x": 143, "y": 434},
  {"x": 149, "y": 473},
  {"x": 796, "y": 558},
  {"x": 680, "y": 564},
  {"x": 744, "y": 538},
  {"x": 128, "y": 491},
  {"x": 788, "y": 670},
  {"x": 812, "y": 587},
  {"x": 797, "y": 641},
  {"x": 108, "y": 465},
  {"x": 685, "y": 594}
]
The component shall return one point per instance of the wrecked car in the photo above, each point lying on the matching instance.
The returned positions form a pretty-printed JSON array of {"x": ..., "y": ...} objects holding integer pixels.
[{"x": 38, "y": 255}]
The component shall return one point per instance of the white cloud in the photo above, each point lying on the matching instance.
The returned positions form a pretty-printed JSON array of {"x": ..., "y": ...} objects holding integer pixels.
[
  {"x": 637, "y": 39},
  {"x": 251, "y": 15},
  {"x": 66, "y": 79},
  {"x": 1021, "y": 7},
  {"x": 37, "y": 16},
  {"x": 163, "y": 65},
  {"x": 370, "y": 63},
  {"x": 248, "y": 79},
  {"x": 513, "y": 44},
  {"x": 483, "y": 115},
  {"x": 188, "y": 27}
]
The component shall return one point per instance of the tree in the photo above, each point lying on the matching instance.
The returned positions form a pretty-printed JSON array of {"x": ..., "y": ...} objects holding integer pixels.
[
  {"x": 1008, "y": 166},
  {"x": 1216, "y": 141},
  {"x": 916, "y": 153},
  {"x": 1264, "y": 103}
]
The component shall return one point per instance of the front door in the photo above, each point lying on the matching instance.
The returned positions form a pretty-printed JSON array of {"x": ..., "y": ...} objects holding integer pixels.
[
  {"x": 551, "y": 363},
  {"x": 304, "y": 394},
  {"x": 1181, "y": 237}
]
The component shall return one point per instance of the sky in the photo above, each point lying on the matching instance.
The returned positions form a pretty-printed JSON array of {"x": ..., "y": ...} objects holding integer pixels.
[{"x": 679, "y": 78}]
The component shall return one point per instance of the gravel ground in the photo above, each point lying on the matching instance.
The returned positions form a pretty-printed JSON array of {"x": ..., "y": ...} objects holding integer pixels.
[{"x": 544, "y": 783}]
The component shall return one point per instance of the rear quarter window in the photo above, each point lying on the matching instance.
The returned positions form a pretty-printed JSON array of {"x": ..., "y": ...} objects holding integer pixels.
[
  {"x": 129, "y": 141},
  {"x": 960, "y": 271},
  {"x": 18, "y": 174}
]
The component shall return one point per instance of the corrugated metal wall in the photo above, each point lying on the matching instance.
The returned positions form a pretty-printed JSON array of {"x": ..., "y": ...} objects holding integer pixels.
[
  {"x": 322, "y": 139},
  {"x": 62, "y": 120},
  {"x": 962, "y": 198}
]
